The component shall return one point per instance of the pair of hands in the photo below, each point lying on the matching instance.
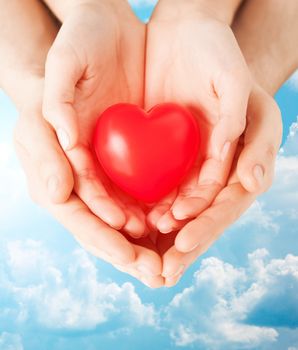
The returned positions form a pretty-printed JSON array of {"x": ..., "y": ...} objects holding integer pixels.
[{"x": 97, "y": 59}]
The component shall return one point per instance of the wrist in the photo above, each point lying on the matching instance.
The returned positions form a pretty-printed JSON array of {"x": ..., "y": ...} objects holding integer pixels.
[
  {"x": 222, "y": 11},
  {"x": 62, "y": 9},
  {"x": 26, "y": 92},
  {"x": 269, "y": 72}
]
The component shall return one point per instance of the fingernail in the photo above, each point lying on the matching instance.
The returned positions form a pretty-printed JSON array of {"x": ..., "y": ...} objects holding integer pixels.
[
  {"x": 164, "y": 228},
  {"x": 258, "y": 172},
  {"x": 63, "y": 139},
  {"x": 145, "y": 270},
  {"x": 52, "y": 185},
  {"x": 178, "y": 272},
  {"x": 165, "y": 231},
  {"x": 225, "y": 150},
  {"x": 179, "y": 214}
]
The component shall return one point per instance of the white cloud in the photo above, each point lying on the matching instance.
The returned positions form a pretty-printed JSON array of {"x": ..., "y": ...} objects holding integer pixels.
[
  {"x": 68, "y": 294},
  {"x": 291, "y": 145},
  {"x": 10, "y": 341},
  {"x": 215, "y": 311},
  {"x": 257, "y": 215}
]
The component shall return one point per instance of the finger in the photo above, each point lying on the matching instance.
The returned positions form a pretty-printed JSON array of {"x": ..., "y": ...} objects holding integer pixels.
[
  {"x": 148, "y": 261},
  {"x": 62, "y": 73},
  {"x": 100, "y": 239},
  {"x": 160, "y": 209},
  {"x": 262, "y": 140},
  {"x": 199, "y": 193},
  {"x": 233, "y": 91},
  {"x": 175, "y": 263},
  {"x": 49, "y": 161},
  {"x": 86, "y": 227},
  {"x": 135, "y": 224},
  {"x": 90, "y": 188},
  {"x": 228, "y": 206},
  {"x": 151, "y": 282},
  {"x": 167, "y": 223},
  {"x": 172, "y": 281},
  {"x": 147, "y": 266}
]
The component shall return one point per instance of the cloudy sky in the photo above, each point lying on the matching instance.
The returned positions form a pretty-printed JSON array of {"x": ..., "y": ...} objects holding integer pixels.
[{"x": 242, "y": 294}]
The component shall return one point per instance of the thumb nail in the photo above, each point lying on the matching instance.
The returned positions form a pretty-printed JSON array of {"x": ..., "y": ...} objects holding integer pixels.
[{"x": 258, "y": 172}]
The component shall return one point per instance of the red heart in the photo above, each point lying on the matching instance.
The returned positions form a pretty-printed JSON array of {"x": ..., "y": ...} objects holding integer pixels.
[{"x": 146, "y": 154}]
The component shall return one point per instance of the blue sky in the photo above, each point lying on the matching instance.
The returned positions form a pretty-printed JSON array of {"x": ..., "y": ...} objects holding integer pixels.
[{"x": 242, "y": 294}]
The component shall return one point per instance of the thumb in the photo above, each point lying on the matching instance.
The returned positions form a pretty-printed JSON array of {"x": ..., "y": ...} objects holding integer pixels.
[
  {"x": 262, "y": 139},
  {"x": 62, "y": 72},
  {"x": 233, "y": 93},
  {"x": 43, "y": 160}
]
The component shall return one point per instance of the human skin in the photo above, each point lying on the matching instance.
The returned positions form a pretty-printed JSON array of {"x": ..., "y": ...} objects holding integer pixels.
[
  {"x": 193, "y": 59},
  {"x": 38, "y": 149},
  {"x": 265, "y": 32},
  {"x": 172, "y": 259},
  {"x": 99, "y": 51}
]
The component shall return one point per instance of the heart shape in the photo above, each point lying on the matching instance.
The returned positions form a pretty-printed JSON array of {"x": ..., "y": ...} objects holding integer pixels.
[{"x": 147, "y": 154}]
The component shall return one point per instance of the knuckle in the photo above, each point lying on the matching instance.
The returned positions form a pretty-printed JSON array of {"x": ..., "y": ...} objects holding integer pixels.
[
  {"x": 87, "y": 174},
  {"x": 270, "y": 151}
]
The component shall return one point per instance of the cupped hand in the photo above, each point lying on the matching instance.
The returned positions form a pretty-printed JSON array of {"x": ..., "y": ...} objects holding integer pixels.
[
  {"x": 258, "y": 145},
  {"x": 96, "y": 60},
  {"x": 195, "y": 60},
  {"x": 42, "y": 158}
]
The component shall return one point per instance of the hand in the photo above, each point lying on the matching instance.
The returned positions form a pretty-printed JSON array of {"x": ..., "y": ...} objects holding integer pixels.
[
  {"x": 138, "y": 258},
  {"x": 258, "y": 145},
  {"x": 194, "y": 60},
  {"x": 96, "y": 60}
]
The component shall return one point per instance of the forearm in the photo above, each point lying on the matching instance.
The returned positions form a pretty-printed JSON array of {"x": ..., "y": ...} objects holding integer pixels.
[
  {"x": 267, "y": 33},
  {"x": 27, "y": 32},
  {"x": 223, "y": 10}
]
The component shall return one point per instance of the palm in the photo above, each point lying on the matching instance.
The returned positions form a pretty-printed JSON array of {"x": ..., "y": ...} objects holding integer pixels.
[
  {"x": 99, "y": 81},
  {"x": 191, "y": 74}
]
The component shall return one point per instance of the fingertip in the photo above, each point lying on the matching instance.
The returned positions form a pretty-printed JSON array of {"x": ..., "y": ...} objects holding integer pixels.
[
  {"x": 166, "y": 223},
  {"x": 188, "y": 207},
  {"x": 172, "y": 281},
  {"x": 185, "y": 241},
  {"x": 251, "y": 176},
  {"x": 108, "y": 211},
  {"x": 63, "y": 119},
  {"x": 115, "y": 217},
  {"x": 134, "y": 226},
  {"x": 153, "y": 218}
]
